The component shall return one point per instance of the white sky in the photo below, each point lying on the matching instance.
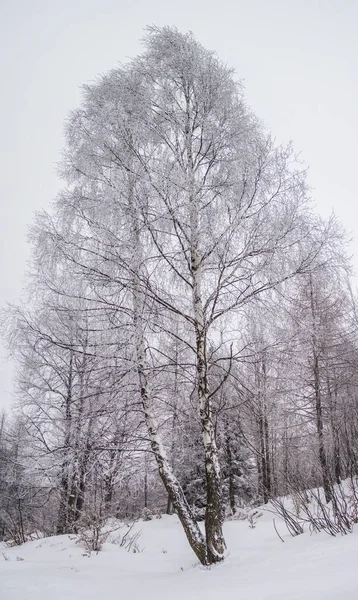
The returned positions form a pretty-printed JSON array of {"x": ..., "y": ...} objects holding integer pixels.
[{"x": 297, "y": 58}]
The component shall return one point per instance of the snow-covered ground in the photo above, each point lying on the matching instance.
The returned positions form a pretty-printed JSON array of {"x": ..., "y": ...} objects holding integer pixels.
[{"x": 258, "y": 567}]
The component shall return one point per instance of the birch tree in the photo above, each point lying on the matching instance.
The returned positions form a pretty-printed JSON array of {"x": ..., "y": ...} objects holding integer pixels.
[{"x": 179, "y": 212}]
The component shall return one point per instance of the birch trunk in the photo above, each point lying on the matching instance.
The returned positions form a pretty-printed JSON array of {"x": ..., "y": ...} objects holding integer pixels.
[
  {"x": 171, "y": 483},
  {"x": 213, "y": 516}
]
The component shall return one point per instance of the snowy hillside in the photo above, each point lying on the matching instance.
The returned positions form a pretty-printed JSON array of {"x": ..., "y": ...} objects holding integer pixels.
[{"x": 258, "y": 567}]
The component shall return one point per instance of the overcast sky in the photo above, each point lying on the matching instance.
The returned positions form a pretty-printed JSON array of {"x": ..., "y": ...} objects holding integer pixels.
[{"x": 297, "y": 59}]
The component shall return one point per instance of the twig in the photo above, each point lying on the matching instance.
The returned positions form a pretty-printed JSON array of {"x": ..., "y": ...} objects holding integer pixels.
[{"x": 274, "y": 524}]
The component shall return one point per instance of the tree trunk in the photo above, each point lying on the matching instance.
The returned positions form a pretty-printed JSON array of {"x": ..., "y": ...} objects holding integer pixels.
[
  {"x": 263, "y": 465},
  {"x": 264, "y": 442},
  {"x": 320, "y": 433},
  {"x": 231, "y": 470},
  {"x": 63, "y": 515},
  {"x": 167, "y": 476},
  {"x": 335, "y": 434},
  {"x": 318, "y": 405},
  {"x": 213, "y": 516},
  {"x": 171, "y": 483}
]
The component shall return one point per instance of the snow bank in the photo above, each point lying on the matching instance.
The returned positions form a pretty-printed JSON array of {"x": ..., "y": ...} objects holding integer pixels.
[{"x": 258, "y": 567}]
